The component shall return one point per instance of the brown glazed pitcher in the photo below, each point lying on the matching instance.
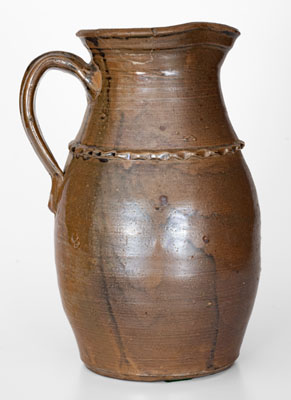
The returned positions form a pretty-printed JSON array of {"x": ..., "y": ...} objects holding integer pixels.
[{"x": 157, "y": 225}]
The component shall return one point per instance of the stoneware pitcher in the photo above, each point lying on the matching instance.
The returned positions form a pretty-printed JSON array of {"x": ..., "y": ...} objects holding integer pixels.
[{"x": 157, "y": 226}]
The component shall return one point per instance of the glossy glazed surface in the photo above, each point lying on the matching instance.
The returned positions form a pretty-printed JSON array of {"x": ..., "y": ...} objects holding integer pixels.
[{"x": 157, "y": 221}]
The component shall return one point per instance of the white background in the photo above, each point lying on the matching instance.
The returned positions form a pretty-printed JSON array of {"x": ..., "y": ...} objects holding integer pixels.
[{"x": 38, "y": 354}]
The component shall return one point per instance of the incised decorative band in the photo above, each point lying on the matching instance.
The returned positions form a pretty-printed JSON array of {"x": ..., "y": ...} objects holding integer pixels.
[{"x": 86, "y": 152}]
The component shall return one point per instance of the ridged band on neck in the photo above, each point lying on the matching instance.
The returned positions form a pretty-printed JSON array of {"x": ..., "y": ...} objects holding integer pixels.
[{"x": 85, "y": 152}]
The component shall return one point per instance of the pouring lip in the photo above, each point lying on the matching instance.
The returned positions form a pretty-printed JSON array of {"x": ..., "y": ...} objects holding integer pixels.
[{"x": 159, "y": 32}]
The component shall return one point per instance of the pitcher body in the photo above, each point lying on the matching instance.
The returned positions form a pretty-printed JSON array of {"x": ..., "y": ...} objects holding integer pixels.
[{"x": 157, "y": 225}]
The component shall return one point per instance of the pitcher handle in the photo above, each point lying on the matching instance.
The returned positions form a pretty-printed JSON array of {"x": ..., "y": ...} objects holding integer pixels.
[{"x": 90, "y": 77}]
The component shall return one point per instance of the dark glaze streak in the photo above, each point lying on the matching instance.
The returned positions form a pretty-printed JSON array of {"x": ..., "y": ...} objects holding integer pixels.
[
  {"x": 228, "y": 33},
  {"x": 214, "y": 300},
  {"x": 112, "y": 317},
  {"x": 107, "y": 297},
  {"x": 125, "y": 37},
  {"x": 210, "y": 361},
  {"x": 106, "y": 84}
]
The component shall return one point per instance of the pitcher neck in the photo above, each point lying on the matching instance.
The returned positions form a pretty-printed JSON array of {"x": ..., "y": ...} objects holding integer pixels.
[{"x": 159, "y": 90}]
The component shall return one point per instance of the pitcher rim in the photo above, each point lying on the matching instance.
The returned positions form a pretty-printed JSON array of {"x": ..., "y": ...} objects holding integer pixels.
[{"x": 159, "y": 31}]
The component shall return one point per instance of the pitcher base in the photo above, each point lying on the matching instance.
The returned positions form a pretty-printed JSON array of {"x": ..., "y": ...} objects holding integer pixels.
[{"x": 152, "y": 378}]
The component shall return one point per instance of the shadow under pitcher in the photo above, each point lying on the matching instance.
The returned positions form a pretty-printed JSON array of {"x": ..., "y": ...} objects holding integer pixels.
[{"x": 157, "y": 223}]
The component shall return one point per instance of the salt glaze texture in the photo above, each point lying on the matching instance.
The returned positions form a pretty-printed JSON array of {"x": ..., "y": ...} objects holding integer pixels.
[{"x": 157, "y": 225}]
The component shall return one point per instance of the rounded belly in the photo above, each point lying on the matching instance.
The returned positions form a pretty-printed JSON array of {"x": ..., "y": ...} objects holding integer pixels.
[{"x": 158, "y": 263}]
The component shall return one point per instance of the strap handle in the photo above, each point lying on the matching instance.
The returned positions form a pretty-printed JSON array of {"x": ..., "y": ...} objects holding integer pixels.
[{"x": 90, "y": 77}]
